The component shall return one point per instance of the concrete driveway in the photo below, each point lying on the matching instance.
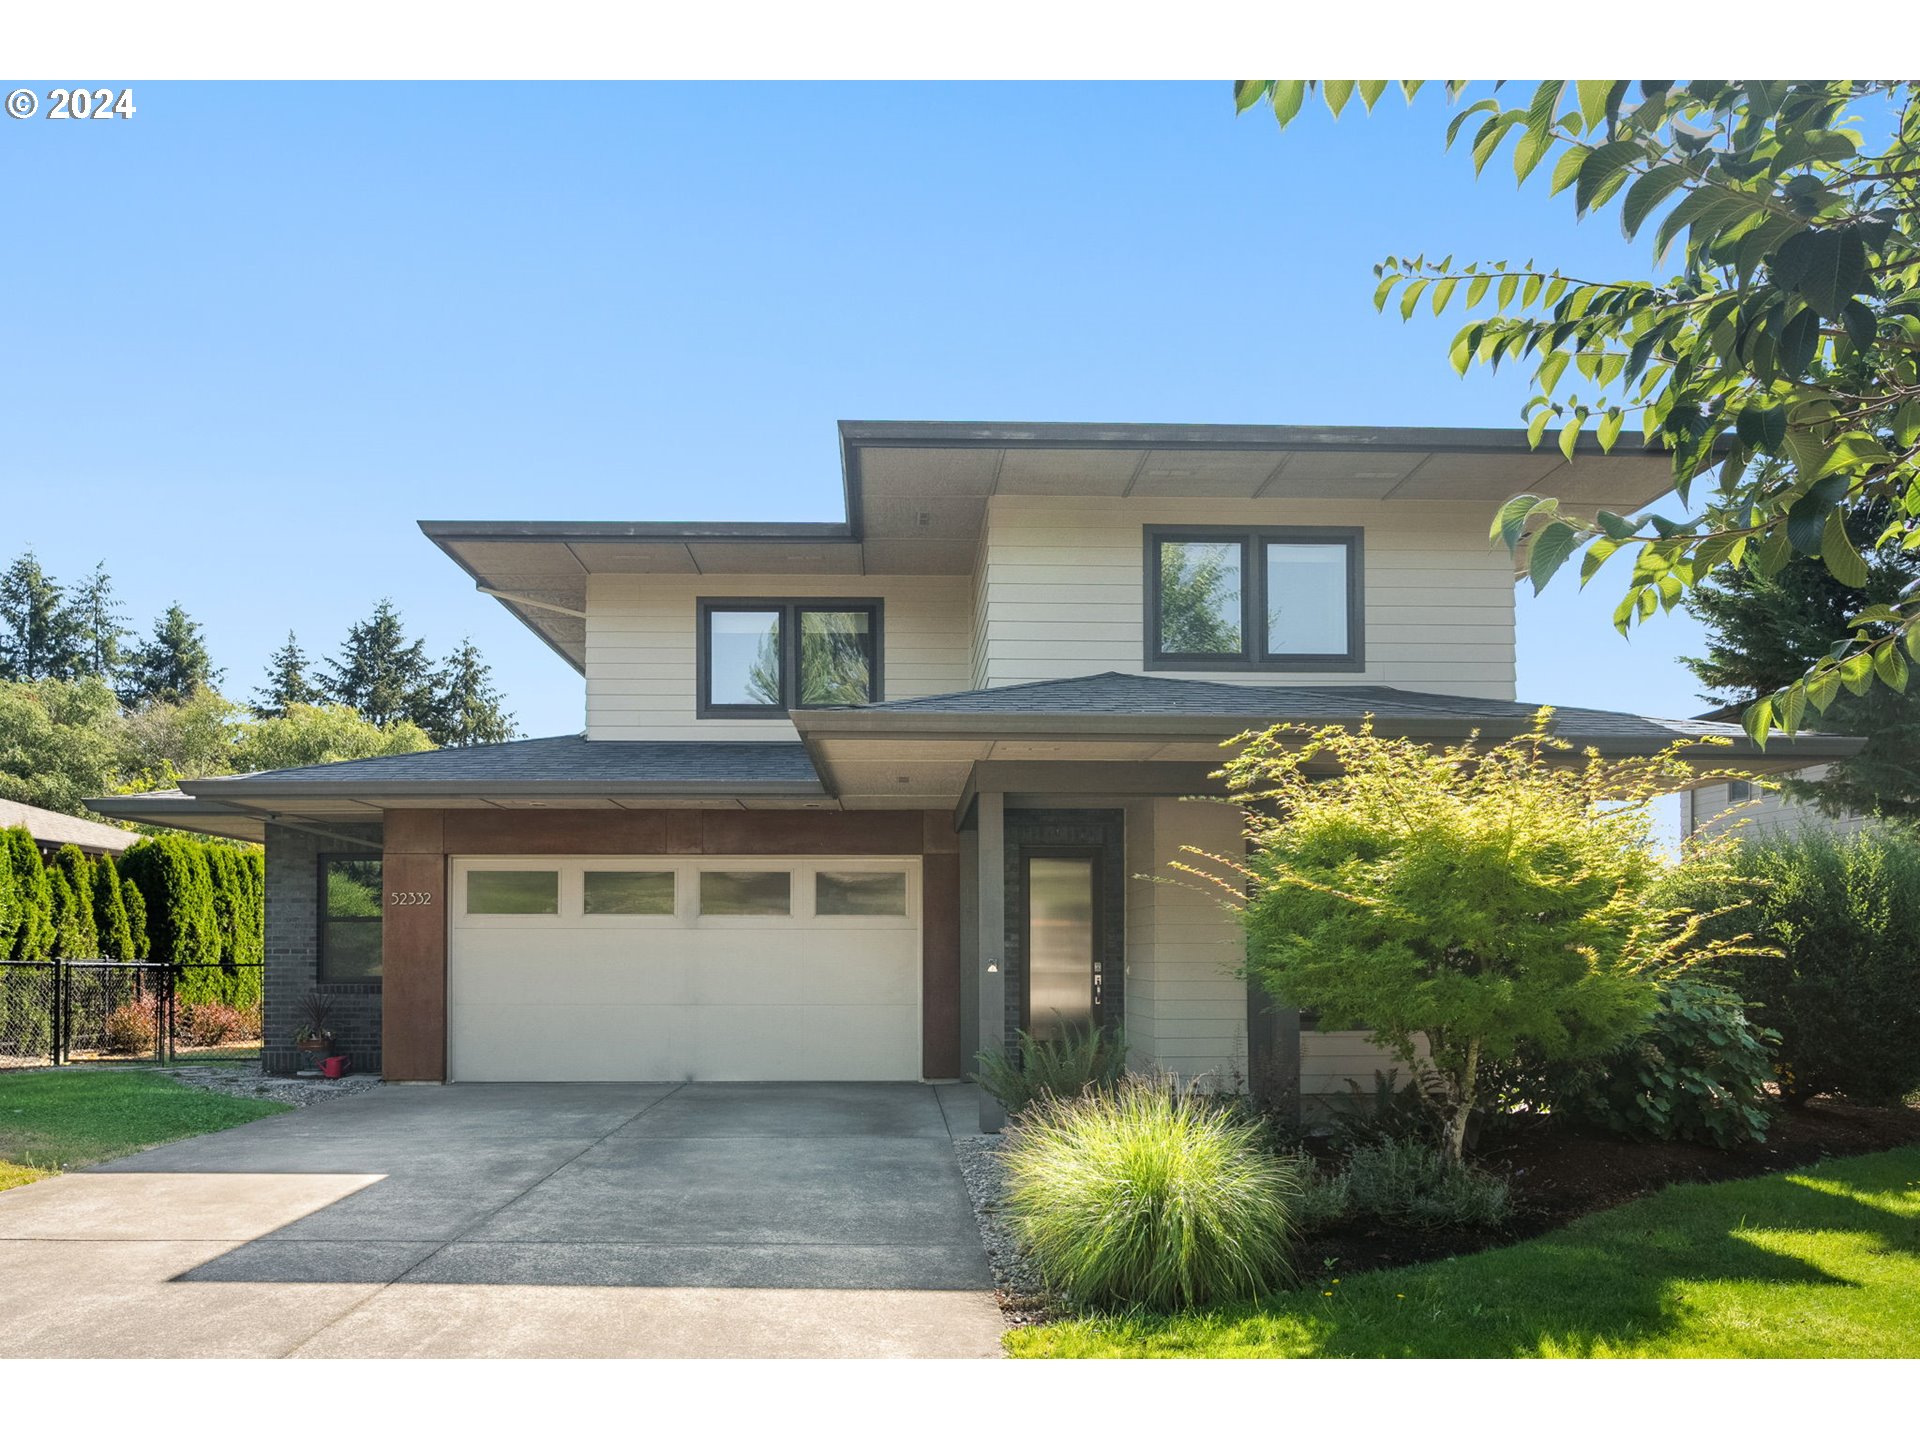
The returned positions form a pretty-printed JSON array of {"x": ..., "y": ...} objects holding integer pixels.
[{"x": 519, "y": 1220}]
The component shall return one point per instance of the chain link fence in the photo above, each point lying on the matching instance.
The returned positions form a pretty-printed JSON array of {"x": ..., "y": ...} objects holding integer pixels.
[{"x": 59, "y": 1012}]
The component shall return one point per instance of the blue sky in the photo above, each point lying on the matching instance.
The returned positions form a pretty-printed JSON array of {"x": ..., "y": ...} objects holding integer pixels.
[{"x": 257, "y": 331}]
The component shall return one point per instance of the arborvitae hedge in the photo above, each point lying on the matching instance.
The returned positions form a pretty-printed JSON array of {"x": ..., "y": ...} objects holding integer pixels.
[
  {"x": 33, "y": 928},
  {"x": 202, "y": 907},
  {"x": 110, "y": 912},
  {"x": 79, "y": 935},
  {"x": 168, "y": 898}
]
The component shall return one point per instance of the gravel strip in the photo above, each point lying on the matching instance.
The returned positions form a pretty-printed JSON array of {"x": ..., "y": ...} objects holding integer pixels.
[
  {"x": 249, "y": 1082},
  {"x": 1022, "y": 1296}
]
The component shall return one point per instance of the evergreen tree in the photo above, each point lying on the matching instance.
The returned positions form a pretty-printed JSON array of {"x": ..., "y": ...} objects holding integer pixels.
[
  {"x": 110, "y": 920},
  {"x": 467, "y": 709},
  {"x": 380, "y": 673},
  {"x": 136, "y": 904},
  {"x": 72, "y": 919},
  {"x": 33, "y": 939},
  {"x": 172, "y": 665},
  {"x": 1765, "y": 633},
  {"x": 287, "y": 684},
  {"x": 39, "y": 634},
  {"x": 99, "y": 625},
  {"x": 70, "y": 863}
]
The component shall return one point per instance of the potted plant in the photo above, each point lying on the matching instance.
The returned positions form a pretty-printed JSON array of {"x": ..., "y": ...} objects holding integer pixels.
[{"x": 313, "y": 1036}]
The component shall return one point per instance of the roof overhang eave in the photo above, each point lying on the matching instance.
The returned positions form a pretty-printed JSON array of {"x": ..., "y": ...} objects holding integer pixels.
[
  {"x": 822, "y": 727},
  {"x": 335, "y": 790}
]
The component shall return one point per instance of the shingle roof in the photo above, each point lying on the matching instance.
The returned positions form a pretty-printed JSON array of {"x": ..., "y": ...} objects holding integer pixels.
[
  {"x": 51, "y": 827},
  {"x": 1150, "y": 696},
  {"x": 563, "y": 760}
]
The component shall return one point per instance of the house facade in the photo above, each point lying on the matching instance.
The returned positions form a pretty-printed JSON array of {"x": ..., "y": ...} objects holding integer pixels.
[{"x": 856, "y": 800}]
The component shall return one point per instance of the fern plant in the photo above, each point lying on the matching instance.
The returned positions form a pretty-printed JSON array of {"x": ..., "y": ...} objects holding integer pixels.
[{"x": 1034, "y": 1066}]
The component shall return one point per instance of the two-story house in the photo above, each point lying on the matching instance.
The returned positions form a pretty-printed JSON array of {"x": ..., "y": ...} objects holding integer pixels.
[{"x": 857, "y": 799}]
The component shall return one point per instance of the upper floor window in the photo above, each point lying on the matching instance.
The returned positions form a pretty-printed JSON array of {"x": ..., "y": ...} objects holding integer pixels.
[
  {"x": 1254, "y": 599},
  {"x": 766, "y": 657}
]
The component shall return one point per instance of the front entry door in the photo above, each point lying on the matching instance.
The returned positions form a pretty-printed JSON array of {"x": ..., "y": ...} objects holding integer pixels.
[{"x": 1063, "y": 942}]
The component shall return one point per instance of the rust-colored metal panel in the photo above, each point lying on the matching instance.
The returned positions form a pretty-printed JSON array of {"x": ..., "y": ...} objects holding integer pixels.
[
  {"x": 940, "y": 1057},
  {"x": 555, "y": 832},
  {"x": 682, "y": 832},
  {"x": 810, "y": 832},
  {"x": 413, "y": 982},
  {"x": 415, "y": 832},
  {"x": 938, "y": 837}
]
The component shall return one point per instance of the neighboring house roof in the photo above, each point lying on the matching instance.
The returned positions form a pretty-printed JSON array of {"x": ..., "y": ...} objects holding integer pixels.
[
  {"x": 1116, "y": 702},
  {"x": 52, "y": 828},
  {"x": 915, "y": 494}
]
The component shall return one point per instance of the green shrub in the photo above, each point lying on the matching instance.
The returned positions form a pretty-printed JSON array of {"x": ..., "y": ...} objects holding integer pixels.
[
  {"x": 136, "y": 908},
  {"x": 33, "y": 933},
  {"x": 1148, "y": 1195},
  {"x": 1410, "y": 1183},
  {"x": 1033, "y": 1068},
  {"x": 1326, "y": 1196},
  {"x": 1698, "y": 1073},
  {"x": 78, "y": 931},
  {"x": 110, "y": 912},
  {"x": 1843, "y": 991},
  {"x": 172, "y": 876}
]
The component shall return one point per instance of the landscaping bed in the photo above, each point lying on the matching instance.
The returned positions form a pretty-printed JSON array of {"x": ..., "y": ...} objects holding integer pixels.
[
  {"x": 1559, "y": 1172},
  {"x": 1823, "y": 1262}
]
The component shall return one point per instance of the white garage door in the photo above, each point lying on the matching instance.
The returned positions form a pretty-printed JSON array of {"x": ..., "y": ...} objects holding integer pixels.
[{"x": 635, "y": 968}]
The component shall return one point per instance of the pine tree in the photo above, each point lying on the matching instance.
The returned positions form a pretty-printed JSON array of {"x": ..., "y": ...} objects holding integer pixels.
[
  {"x": 287, "y": 684},
  {"x": 467, "y": 709},
  {"x": 172, "y": 665},
  {"x": 380, "y": 673},
  {"x": 99, "y": 622},
  {"x": 1764, "y": 633},
  {"x": 110, "y": 920},
  {"x": 39, "y": 634}
]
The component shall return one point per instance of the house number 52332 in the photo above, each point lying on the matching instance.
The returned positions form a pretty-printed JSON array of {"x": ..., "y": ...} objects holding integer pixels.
[{"x": 410, "y": 897}]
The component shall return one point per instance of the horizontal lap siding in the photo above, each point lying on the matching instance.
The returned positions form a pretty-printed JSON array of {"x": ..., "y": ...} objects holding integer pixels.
[
  {"x": 1186, "y": 1008},
  {"x": 641, "y": 646},
  {"x": 1336, "y": 1063},
  {"x": 1062, "y": 593}
]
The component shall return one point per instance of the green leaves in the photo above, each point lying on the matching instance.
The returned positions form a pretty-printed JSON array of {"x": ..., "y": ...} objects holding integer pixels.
[
  {"x": 1825, "y": 267},
  {"x": 1646, "y": 194},
  {"x": 1763, "y": 427},
  {"x": 1602, "y": 172},
  {"x": 1288, "y": 96},
  {"x": 1549, "y": 551},
  {"x": 1843, "y": 562}
]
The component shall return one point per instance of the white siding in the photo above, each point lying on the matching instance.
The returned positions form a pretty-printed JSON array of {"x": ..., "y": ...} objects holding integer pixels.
[
  {"x": 1711, "y": 809},
  {"x": 1335, "y": 1064},
  {"x": 1061, "y": 590},
  {"x": 1186, "y": 1008},
  {"x": 641, "y": 639}
]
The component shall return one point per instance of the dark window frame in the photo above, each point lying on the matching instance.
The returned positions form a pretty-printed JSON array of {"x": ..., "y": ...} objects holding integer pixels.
[
  {"x": 790, "y": 609},
  {"x": 1253, "y": 653},
  {"x": 323, "y": 920}
]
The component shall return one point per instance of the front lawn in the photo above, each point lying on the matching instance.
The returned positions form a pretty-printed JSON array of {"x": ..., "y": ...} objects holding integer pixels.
[
  {"x": 1817, "y": 1262},
  {"x": 54, "y": 1120}
]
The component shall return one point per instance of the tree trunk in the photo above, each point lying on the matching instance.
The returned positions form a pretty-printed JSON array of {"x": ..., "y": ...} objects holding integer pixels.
[{"x": 1464, "y": 1092}]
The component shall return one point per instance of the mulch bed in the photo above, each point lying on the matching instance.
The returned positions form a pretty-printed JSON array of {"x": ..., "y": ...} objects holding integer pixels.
[{"x": 1559, "y": 1172}]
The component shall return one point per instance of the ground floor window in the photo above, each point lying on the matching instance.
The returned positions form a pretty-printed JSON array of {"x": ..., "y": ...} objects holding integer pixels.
[{"x": 349, "y": 918}]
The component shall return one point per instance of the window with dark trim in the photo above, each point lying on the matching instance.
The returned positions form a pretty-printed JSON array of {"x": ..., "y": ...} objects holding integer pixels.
[
  {"x": 766, "y": 657},
  {"x": 1266, "y": 598},
  {"x": 350, "y": 913}
]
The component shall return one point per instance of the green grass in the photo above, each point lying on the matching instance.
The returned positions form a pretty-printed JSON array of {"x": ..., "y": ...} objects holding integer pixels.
[
  {"x": 54, "y": 1120},
  {"x": 1816, "y": 1262}
]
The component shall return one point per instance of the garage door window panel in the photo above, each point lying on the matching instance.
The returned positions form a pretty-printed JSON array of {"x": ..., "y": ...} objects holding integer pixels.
[
  {"x": 513, "y": 892},
  {"x": 628, "y": 893},
  {"x": 860, "y": 893},
  {"x": 740, "y": 894}
]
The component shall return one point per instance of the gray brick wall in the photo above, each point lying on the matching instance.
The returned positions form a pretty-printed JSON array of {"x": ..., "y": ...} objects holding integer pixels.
[{"x": 293, "y": 952}]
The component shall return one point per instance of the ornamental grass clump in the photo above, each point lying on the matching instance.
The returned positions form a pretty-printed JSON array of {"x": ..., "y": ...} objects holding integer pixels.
[{"x": 1149, "y": 1195}]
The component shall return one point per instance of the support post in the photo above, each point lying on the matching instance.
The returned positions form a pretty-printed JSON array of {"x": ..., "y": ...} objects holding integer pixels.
[{"x": 990, "y": 838}]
